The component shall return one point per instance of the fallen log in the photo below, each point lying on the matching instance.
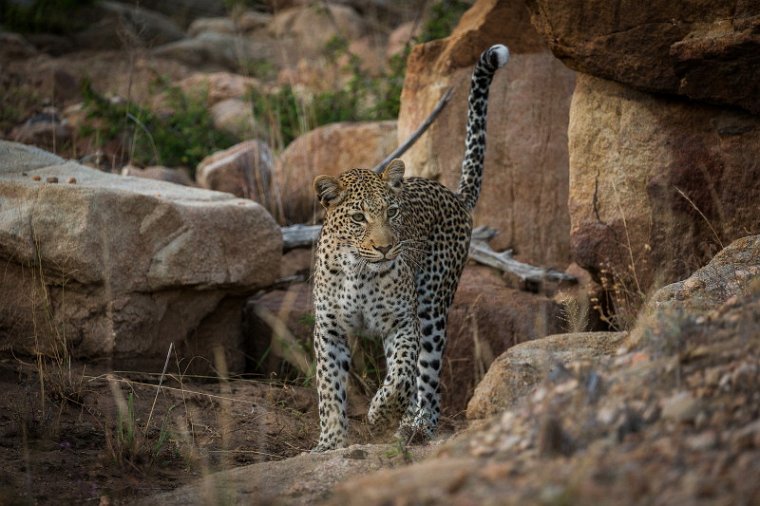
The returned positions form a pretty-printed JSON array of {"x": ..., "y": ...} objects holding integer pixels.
[{"x": 300, "y": 236}]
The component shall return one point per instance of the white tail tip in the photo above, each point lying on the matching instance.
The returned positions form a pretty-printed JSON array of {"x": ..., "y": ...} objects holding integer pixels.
[{"x": 502, "y": 54}]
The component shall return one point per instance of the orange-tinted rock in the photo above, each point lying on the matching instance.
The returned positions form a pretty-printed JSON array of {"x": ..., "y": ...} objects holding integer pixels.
[
  {"x": 703, "y": 50},
  {"x": 486, "y": 318},
  {"x": 526, "y": 165},
  {"x": 657, "y": 184},
  {"x": 330, "y": 149}
]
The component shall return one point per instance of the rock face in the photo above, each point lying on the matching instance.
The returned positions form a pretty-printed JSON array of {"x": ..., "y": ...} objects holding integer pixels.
[
  {"x": 120, "y": 267},
  {"x": 525, "y": 183},
  {"x": 486, "y": 318},
  {"x": 702, "y": 50},
  {"x": 657, "y": 185},
  {"x": 729, "y": 274},
  {"x": 517, "y": 372},
  {"x": 330, "y": 150}
]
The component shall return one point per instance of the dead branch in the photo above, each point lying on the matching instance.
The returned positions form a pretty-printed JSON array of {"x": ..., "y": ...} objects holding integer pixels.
[
  {"x": 417, "y": 133},
  {"x": 298, "y": 236},
  {"x": 482, "y": 253}
]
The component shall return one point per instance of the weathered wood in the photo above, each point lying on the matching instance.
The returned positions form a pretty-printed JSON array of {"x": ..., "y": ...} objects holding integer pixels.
[
  {"x": 482, "y": 253},
  {"x": 298, "y": 236}
]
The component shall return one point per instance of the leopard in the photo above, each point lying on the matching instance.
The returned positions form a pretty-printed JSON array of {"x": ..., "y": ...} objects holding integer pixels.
[{"x": 387, "y": 264}]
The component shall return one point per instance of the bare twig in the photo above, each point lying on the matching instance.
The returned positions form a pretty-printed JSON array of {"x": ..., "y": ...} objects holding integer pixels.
[
  {"x": 417, "y": 133},
  {"x": 158, "y": 390},
  {"x": 715, "y": 234}
]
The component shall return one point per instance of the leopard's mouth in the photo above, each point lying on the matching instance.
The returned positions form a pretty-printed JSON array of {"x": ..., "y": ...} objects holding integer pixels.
[{"x": 375, "y": 256}]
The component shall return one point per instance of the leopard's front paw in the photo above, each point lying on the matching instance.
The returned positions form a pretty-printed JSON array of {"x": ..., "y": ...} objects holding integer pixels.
[
  {"x": 379, "y": 410},
  {"x": 321, "y": 447},
  {"x": 416, "y": 430}
]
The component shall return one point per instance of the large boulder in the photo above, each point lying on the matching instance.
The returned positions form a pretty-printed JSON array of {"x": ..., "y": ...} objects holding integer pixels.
[
  {"x": 213, "y": 51},
  {"x": 703, "y": 50},
  {"x": 245, "y": 170},
  {"x": 134, "y": 25},
  {"x": 657, "y": 185},
  {"x": 183, "y": 12},
  {"x": 234, "y": 116},
  {"x": 120, "y": 267},
  {"x": 486, "y": 318},
  {"x": 159, "y": 173},
  {"x": 525, "y": 184},
  {"x": 59, "y": 80},
  {"x": 732, "y": 273},
  {"x": 330, "y": 150},
  {"x": 313, "y": 26},
  {"x": 517, "y": 372},
  {"x": 305, "y": 479}
]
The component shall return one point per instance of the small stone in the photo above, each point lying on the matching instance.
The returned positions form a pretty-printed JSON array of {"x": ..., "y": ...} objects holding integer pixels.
[
  {"x": 539, "y": 395},
  {"x": 508, "y": 443},
  {"x": 680, "y": 407},
  {"x": 51, "y": 179},
  {"x": 747, "y": 437},
  {"x": 482, "y": 451},
  {"x": 606, "y": 415},
  {"x": 704, "y": 441},
  {"x": 567, "y": 386},
  {"x": 356, "y": 454},
  {"x": 507, "y": 419}
]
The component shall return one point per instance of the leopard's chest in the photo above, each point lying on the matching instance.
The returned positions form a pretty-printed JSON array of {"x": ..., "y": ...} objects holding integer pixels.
[{"x": 371, "y": 303}]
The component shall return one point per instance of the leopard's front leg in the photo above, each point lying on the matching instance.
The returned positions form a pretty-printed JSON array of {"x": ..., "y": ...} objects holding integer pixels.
[
  {"x": 397, "y": 393},
  {"x": 333, "y": 359}
]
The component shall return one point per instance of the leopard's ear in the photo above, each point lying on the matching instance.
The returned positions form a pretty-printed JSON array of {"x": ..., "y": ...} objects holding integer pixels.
[
  {"x": 329, "y": 190},
  {"x": 394, "y": 174}
]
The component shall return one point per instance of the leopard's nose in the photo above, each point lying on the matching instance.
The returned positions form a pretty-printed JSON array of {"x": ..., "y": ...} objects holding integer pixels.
[{"x": 383, "y": 249}]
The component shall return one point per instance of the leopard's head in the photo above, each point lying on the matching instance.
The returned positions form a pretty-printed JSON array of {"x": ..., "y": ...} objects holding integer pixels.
[{"x": 363, "y": 215}]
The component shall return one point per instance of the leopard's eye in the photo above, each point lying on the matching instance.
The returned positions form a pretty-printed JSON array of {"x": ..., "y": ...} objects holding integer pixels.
[
  {"x": 392, "y": 212},
  {"x": 358, "y": 217}
]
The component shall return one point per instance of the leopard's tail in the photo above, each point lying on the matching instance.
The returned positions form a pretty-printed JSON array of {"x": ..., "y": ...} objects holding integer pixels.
[{"x": 475, "y": 143}]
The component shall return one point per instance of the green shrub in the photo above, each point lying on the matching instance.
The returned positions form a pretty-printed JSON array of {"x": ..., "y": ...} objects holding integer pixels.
[
  {"x": 56, "y": 16},
  {"x": 285, "y": 116},
  {"x": 182, "y": 138},
  {"x": 444, "y": 16}
]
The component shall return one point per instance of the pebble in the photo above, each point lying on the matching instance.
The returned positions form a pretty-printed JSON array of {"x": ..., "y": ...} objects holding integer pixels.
[
  {"x": 704, "y": 441},
  {"x": 680, "y": 407},
  {"x": 747, "y": 437}
]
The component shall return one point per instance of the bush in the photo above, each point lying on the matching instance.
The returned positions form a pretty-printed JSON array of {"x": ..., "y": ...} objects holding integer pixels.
[
  {"x": 444, "y": 16},
  {"x": 182, "y": 138},
  {"x": 56, "y": 16},
  {"x": 285, "y": 115}
]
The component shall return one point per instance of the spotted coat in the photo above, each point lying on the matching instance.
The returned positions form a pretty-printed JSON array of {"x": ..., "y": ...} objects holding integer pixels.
[{"x": 388, "y": 262}]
